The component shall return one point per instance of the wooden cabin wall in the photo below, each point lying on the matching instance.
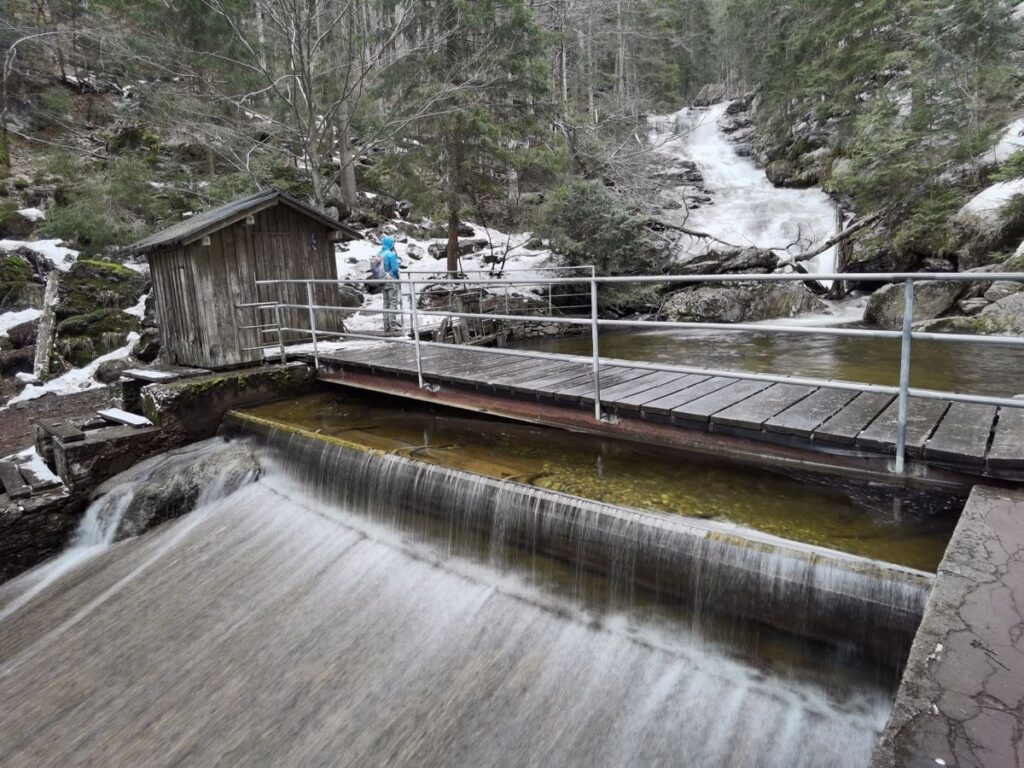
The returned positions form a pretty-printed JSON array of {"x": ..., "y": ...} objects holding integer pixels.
[
  {"x": 290, "y": 246},
  {"x": 175, "y": 304},
  {"x": 198, "y": 287}
]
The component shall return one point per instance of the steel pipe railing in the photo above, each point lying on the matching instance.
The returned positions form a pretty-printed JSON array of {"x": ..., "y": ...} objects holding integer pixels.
[{"x": 906, "y": 335}]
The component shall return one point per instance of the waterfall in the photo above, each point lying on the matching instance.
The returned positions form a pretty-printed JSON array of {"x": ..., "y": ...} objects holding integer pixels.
[
  {"x": 705, "y": 566},
  {"x": 743, "y": 207},
  {"x": 322, "y": 614}
]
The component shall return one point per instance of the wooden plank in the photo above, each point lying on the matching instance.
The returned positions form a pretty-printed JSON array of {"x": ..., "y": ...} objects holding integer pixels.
[
  {"x": 485, "y": 371},
  {"x": 963, "y": 434},
  {"x": 664, "y": 405},
  {"x": 922, "y": 418},
  {"x": 644, "y": 382},
  {"x": 610, "y": 376},
  {"x": 14, "y": 484},
  {"x": 525, "y": 384},
  {"x": 634, "y": 402},
  {"x": 802, "y": 418},
  {"x": 844, "y": 426},
  {"x": 544, "y": 383},
  {"x": 704, "y": 407},
  {"x": 753, "y": 412},
  {"x": 120, "y": 416},
  {"x": 1007, "y": 448}
]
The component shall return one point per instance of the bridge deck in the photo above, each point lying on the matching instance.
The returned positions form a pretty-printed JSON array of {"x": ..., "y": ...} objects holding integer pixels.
[{"x": 974, "y": 439}]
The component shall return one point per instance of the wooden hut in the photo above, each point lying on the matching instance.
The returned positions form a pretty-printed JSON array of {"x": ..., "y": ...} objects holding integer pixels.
[{"x": 207, "y": 265}]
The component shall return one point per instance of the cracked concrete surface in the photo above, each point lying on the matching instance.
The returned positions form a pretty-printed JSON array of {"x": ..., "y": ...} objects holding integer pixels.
[{"x": 961, "y": 701}]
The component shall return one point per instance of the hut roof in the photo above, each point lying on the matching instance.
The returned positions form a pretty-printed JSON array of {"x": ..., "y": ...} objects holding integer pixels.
[{"x": 195, "y": 227}]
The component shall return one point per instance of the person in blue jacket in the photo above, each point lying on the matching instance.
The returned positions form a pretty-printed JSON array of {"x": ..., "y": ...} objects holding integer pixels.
[{"x": 392, "y": 295}]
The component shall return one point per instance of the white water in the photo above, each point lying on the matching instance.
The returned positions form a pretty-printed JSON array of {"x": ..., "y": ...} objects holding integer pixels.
[
  {"x": 746, "y": 209},
  {"x": 268, "y": 629}
]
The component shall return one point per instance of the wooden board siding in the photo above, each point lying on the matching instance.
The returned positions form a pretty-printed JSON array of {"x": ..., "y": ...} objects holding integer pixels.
[{"x": 197, "y": 287}]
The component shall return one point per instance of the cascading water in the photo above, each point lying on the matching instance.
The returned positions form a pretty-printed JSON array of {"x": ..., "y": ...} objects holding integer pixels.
[
  {"x": 333, "y": 611},
  {"x": 745, "y": 208}
]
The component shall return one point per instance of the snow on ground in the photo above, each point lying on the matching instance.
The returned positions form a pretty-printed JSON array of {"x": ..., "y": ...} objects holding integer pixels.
[
  {"x": 139, "y": 310},
  {"x": 77, "y": 379},
  {"x": 52, "y": 250},
  {"x": 32, "y": 214},
  {"x": 521, "y": 264},
  {"x": 1011, "y": 141},
  {"x": 34, "y": 463},
  {"x": 987, "y": 204},
  {"x": 10, "y": 319}
]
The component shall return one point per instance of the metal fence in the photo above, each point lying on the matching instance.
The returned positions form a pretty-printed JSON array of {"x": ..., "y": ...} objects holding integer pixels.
[{"x": 415, "y": 285}]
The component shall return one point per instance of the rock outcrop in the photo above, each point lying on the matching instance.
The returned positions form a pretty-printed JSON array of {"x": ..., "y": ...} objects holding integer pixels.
[
  {"x": 932, "y": 298},
  {"x": 741, "y": 303}
]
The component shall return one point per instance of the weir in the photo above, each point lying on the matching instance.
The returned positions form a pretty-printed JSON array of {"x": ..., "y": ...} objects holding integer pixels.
[{"x": 705, "y": 566}]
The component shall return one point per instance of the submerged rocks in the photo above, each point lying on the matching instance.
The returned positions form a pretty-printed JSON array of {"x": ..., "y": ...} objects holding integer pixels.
[
  {"x": 173, "y": 484},
  {"x": 741, "y": 303}
]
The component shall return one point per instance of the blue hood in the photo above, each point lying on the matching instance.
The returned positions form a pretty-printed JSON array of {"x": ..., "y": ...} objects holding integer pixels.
[{"x": 387, "y": 244}]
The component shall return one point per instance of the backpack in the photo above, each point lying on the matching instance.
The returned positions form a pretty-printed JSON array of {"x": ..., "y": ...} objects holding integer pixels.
[{"x": 377, "y": 267}]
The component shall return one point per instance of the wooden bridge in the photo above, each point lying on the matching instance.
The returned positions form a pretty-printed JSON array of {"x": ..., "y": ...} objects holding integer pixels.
[{"x": 813, "y": 429}]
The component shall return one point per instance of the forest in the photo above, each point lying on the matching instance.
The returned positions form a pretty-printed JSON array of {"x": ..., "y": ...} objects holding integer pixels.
[{"x": 129, "y": 113}]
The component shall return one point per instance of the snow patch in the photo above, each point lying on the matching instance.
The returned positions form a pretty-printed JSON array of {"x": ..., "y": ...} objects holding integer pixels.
[
  {"x": 77, "y": 379},
  {"x": 10, "y": 319},
  {"x": 32, "y": 214},
  {"x": 139, "y": 310},
  {"x": 987, "y": 204},
  {"x": 52, "y": 250},
  {"x": 34, "y": 463},
  {"x": 1011, "y": 141}
]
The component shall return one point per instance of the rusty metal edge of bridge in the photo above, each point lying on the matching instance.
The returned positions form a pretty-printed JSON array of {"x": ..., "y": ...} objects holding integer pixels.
[{"x": 797, "y": 459}]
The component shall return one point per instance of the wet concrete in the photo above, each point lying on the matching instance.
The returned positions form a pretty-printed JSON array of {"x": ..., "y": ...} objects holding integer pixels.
[{"x": 961, "y": 701}]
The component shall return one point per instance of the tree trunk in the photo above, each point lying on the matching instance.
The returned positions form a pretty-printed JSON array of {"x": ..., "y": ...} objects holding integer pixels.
[{"x": 453, "y": 237}]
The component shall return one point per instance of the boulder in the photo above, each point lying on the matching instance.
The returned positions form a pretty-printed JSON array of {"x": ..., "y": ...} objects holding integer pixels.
[
  {"x": 971, "y": 307},
  {"x": 147, "y": 348},
  {"x": 91, "y": 284},
  {"x": 22, "y": 280},
  {"x": 19, "y": 224},
  {"x": 1005, "y": 315},
  {"x": 18, "y": 360},
  {"x": 741, "y": 303},
  {"x": 932, "y": 298},
  {"x": 172, "y": 484},
  {"x": 349, "y": 297},
  {"x": 1001, "y": 289},
  {"x": 712, "y": 93},
  {"x": 109, "y": 371},
  {"x": 23, "y": 335}
]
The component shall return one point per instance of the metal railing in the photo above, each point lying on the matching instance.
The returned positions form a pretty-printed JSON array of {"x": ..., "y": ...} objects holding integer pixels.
[{"x": 907, "y": 335}]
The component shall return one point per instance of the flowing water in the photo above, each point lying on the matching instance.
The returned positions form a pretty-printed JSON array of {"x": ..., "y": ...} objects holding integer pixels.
[
  {"x": 964, "y": 368},
  {"x": 745, "y": 208},
  {"x": 273, "y": 625},
  {"x": 911, "y": 530}
]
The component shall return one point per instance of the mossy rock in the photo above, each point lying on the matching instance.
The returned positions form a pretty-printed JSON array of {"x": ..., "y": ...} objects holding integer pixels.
[
  {"x": 91, "y": 284},
  {"x": 16, "y": 281},
  {"x": 97, "y": 322}
]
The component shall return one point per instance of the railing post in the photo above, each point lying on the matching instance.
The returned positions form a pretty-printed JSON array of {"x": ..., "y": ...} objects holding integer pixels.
[
  {"x": 280, "y": 336},
  {"x": 414, "y": 315},
  {"x": 551, "y": 308},
  {"x": 312, "y": 324},
  {"x": 595, "y": 349},
  {"x": 901, "y": 423}
]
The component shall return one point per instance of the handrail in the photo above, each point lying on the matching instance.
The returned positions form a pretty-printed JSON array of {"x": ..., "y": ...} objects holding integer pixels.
[{"x": 906, "y": 334}]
